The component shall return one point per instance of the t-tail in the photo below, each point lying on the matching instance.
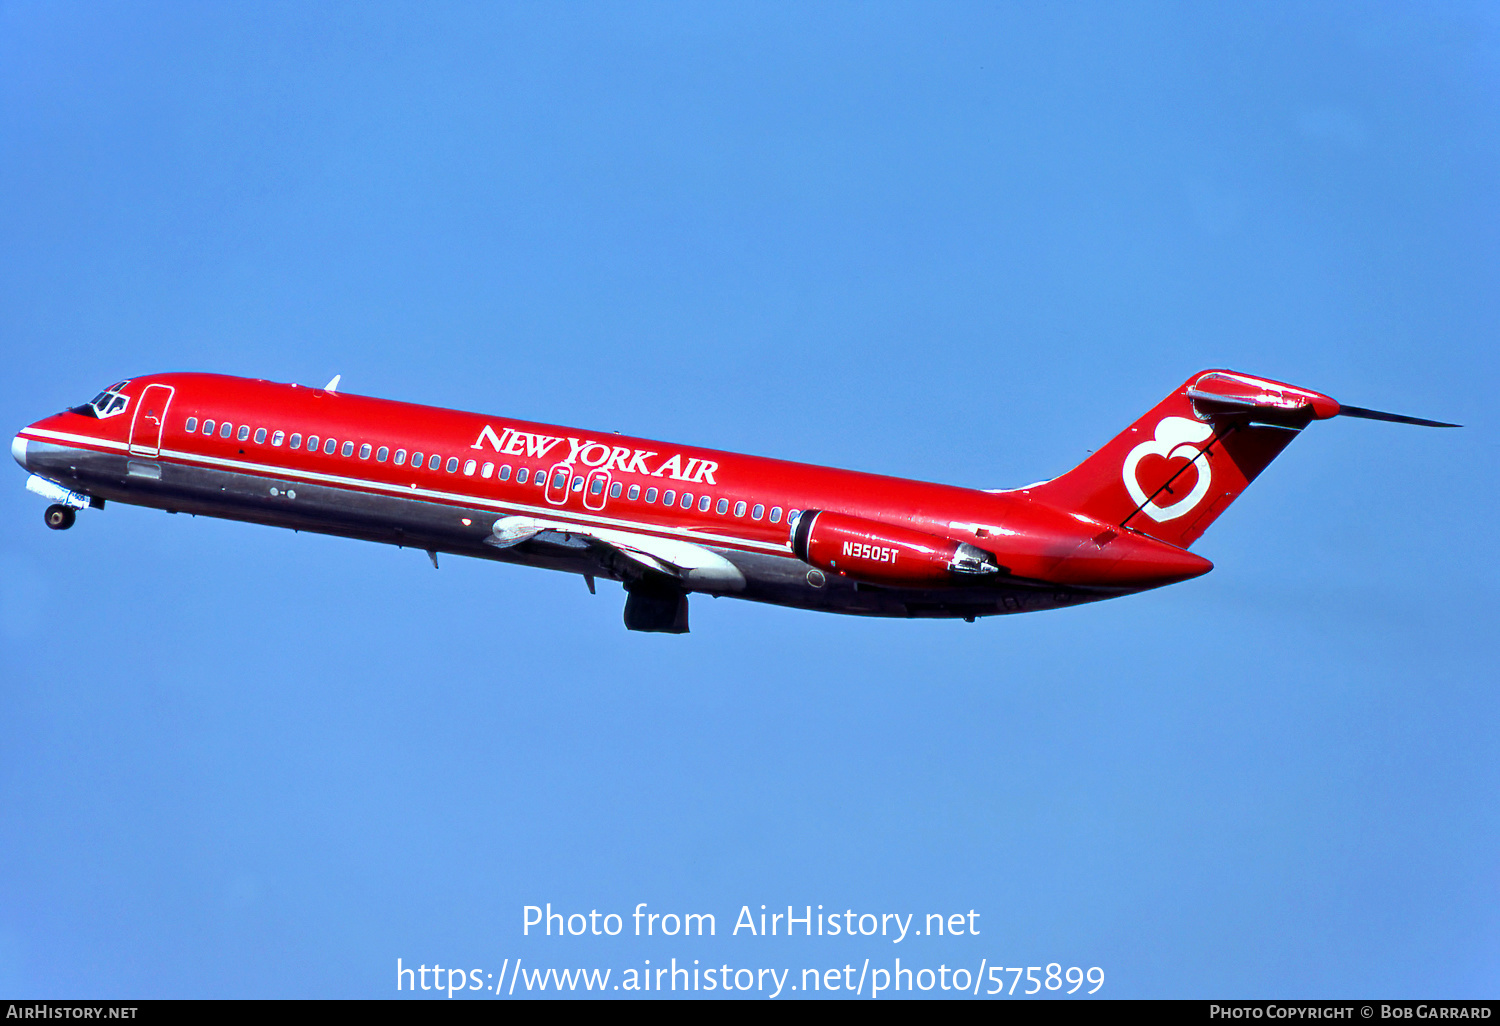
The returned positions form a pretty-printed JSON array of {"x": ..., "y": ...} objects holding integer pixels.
[{"x": 1171, "y": 473}]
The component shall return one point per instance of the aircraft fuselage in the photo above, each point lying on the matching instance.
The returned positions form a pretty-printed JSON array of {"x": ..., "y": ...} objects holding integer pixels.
[{"x": 667, "y": 519}]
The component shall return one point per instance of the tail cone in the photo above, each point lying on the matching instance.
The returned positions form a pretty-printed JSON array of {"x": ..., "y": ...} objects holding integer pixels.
[{"x": 1126, "y": 559}]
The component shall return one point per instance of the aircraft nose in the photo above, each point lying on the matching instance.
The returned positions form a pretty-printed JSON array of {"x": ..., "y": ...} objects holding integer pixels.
[{"x": 18, "y": 450}]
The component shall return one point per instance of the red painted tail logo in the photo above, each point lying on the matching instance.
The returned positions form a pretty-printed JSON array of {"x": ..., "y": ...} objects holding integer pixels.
[{"x": 1175, "y": 438}]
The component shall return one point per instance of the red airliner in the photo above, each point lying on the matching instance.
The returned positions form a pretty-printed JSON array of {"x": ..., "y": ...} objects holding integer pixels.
[{"x": 667, "y": 520}]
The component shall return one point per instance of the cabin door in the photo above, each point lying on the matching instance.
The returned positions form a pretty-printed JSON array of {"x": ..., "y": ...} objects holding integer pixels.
[
  {"x": 559, "y": 480},
  {"x": 596, "y": 491},
  {"x": 150, "y": 418}
]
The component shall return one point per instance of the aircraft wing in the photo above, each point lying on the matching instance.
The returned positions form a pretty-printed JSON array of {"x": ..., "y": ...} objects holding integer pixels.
[{"x": 689, "y": 563}]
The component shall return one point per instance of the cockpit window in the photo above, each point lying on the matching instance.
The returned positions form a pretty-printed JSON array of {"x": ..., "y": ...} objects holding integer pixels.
[{"x": 107, "y": 403}]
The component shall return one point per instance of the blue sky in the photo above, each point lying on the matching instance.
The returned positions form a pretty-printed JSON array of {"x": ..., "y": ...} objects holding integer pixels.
[{"x": 966, "y": 243}]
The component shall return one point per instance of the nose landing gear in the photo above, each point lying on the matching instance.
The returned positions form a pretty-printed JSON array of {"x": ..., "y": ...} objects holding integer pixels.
[{"x": 60, "y": 518}]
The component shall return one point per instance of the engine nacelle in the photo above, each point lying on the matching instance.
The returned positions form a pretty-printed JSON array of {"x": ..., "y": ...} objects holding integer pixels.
[{"x": 865, "y": 550}]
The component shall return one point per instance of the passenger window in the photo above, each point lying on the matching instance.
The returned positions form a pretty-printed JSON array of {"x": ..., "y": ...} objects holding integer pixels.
[
  {"x": 364, "y": 451},
  {"x": 348, "y": 449},
  {"x": 260, "y": 436},
  {"x": 739, "y": 508},
  {"x": 596, "y": 486},
  {"x": 614, "y": 490},
  {"x": 191, "y": 425},
  {"x": 278, "y": 438},
  {"x": 382, "y": 454},
  {"x": 521, "y": 475},
  {"x": 487, "y": 470},
  {"x": 208, "y": 427},
  {"x": 434, "y": 461},
  {"x": 225, "y": 429},
  {"x": 634, "y": 493},
  {"x": 330, "y": 445},
  {"x": 687, "y": 500},
  {"x": 650, "y": 494},
  {"x": 244, "y": 435},
  {"x": 452, "y": 464},
  {"x": 704, "y": 503},
  {"x": 312, "y": 443},
  {"x": 469, "y": 466},
  {"x": 721, "y": 507},
  {"x": 792, "y": 515},
  {"x": 505, "y": 472},
  {"x": 578, "y": 484},
  {"x": 758, "y": 512},
  {"x": 296, "y": 442},
  {"x": 668, "y": 497},
  {"x": 775, "y": 514}
]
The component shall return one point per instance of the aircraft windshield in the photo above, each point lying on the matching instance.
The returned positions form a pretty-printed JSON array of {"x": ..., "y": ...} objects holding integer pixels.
[{"x": 107, "y": 403}]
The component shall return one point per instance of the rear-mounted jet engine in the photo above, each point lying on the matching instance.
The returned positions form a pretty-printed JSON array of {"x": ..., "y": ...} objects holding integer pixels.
[{"x": 866, "y": 550}]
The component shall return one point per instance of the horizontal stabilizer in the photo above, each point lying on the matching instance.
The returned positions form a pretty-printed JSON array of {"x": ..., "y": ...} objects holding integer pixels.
[
  {"x": 1173, "y": 471},
  {"x": 1395, "y": 418}
]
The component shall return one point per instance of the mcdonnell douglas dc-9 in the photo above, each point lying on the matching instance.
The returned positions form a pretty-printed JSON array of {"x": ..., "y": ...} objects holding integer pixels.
[{"x": 668, "y": 520}]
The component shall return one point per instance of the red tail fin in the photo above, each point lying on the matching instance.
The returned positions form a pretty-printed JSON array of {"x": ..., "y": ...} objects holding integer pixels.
[{"x": 1171, "y": 473}]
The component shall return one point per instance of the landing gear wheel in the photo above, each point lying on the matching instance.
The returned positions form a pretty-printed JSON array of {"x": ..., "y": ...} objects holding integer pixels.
[
  {"x": 656, "y": 608},
  {"x": 60, "y": 518}
]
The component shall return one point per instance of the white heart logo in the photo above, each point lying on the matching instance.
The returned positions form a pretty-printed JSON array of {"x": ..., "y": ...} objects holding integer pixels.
[{"x": 1174, "y": 437}]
